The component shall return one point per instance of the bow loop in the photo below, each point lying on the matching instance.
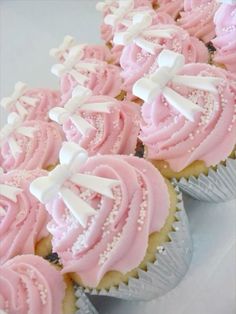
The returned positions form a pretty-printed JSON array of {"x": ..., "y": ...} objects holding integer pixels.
[
  {"x": 72, "y": 157},
  {"x": 10, "y": 192},
  {"x": 119, "y": 13},
  {"x": 63, "y": 49},
  {"x": 102, "y": 5},
  {"x": 170, "y": 63}
]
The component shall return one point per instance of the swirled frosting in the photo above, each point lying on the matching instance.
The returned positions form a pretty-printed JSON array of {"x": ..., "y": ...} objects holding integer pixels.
[
  {"x": 105, "y": 80},
  {"x": 225, "y": 41},
  {"x": 39, "y": 151},
  {"x": 23, "y": 222},
  {"x": 210, "y": 138},
  {"x": 46, "y": 99},
  {"x": 29, "y": 284},
  {"x": 116, "y": 238},
  {"x": 98, "y": 52},
  {"x": 136, "y": 62},
  {"x": 197, "y": 18},
  {"x": 115, "y": 132},
  {"x": 171, "y": 7}
]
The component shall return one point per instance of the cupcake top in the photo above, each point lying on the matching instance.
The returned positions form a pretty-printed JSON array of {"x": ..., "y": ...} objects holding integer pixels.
[
  {"x": 225, "y": 41},
  {"x": 100, "y": 124},
  {"x": 31, "y": 104},
  {"x": 146, "y": 42},
  {"x": 29, "y": 144},
  {"x": 100, "y": 77},
  {"x": 171, "y": 7},
  {"x": 88, "y": 51},
  {"x": 23, "y": 218},
  {"x": 27, "y": 285},
  {"x": 131, "y": 204},
  {"x": 197, "y": 18},
  {"x": 189, "y": 113}
]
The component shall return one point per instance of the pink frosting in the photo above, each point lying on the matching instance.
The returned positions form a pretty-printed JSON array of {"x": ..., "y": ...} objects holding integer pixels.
[
  {"x": 98, "y": 52},
  {"x": 113, "y": 133},
  {"x": 106, "y": 80},
  {"x": 39, "y": 151},
  {"x": 136, "y": 62},
  {"x": 172, "y": 7},
  {"x": 22, "y": 223},
  {"x": 29, "y": 284},
  {"x": 116, "y": 238},
  {"x": 225, "y": 41},
  {"x": 197, "y": 18},
  {"x": 47, "y": 99},
  {"x": 210, "y": 138}
]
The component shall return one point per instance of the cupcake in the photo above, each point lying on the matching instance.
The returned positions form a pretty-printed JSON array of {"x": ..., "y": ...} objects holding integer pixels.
[
  {"x": 31, "y": 104},
  {"x": 98, "y": 52},
  {"x": 102, "y": 78},
  {"x": 29, "y": 284},
  {"x": 197, "y": 18},
  {"x": 99, "y": 124},
  {"x": 143, "y": 43},
  {"x": 23, "y": 218},
  {"x": 189, "y": 124},
  {"x": 129, "y": 238},
  {"x": 29, "y": 144},
  {"x": 225, "y": 40}
]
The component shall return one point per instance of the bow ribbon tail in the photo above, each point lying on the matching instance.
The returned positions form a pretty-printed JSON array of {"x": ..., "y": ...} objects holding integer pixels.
[
  {"x": 7, "y": 103},
  {"x": 81, "y": 124},
  {"x": 79, "y": 208},
  {"x": 204, "y": 83},
  {"x": 58, "y": 114},
  {"x": 97, "y": 184},
  {"x": 26, "y": 131},
  {"x": 80, "y": 78},
  {"x": 10, "y": 192},
  {"x": 14, "y": 147},
  {"x": 29, "y": 100},
  {"x": 146, "y": 45},
  {"x": 186, "y": 107},
  {"x": 103, "y": 107},
  {"x": 86, "y": 66},
  {"x": 159, "y": 33},
  {"x": 21, "y": 109}
]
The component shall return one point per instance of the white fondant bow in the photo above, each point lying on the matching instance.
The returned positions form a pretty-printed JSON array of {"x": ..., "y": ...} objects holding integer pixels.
[
  {"x": 17, "y": 99},
  {"x": 125, "y": 6},
  {"x": 64, "y": 48},
  {"x": 10, "y": 192},
  {"x": 74, "y": 65},
  {"x": 14, "y": 122},
  {"x": 72, "y": 157},
  {"x": 80, "y": 96},
  {"x": 170, "y": 63},
  {"x": 103, "y": 5},
  {"x": 140, "y": 30}
]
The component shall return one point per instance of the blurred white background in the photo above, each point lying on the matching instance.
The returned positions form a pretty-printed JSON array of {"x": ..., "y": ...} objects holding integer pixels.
[{"x": 28, "y": 29}]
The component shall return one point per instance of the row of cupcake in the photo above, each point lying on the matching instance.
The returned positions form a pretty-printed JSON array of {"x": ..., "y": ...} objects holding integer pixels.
[{"x": 118, "y": 227}]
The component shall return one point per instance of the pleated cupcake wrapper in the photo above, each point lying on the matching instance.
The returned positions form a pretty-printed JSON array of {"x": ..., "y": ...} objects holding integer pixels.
[
  {"x": 217, "y": 186},
  {"x": 84, "y": 306},
  {"x": 172, "y": 262}
]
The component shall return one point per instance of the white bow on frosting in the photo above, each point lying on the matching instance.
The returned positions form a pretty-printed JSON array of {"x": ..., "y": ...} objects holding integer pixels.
[
  {"x": 139, "y": 32},
  {"x": 17, "y": 99},
  {"x": 80, "y": 96},
  {"x": 10, "y": 192},
  {"x": 63, "y": 50},
  {"x": 170, "y": 63},
  {"x": 72, "y": 157},
  {"x": 14, "y": 124},
  {"x": 74, "y": 65},
  {"x": 103, "y": 5},
  {"x": 117, "y": 15}
]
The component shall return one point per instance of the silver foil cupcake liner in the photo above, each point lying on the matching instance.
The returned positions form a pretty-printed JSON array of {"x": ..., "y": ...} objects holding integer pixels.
[
  {"x": 217, "y": 186},
  {"x": 84, "y": 306},
  {"x": 172, "y": 262}
]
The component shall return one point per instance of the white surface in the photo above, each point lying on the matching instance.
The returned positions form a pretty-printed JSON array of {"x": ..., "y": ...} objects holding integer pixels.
[{"x": 28, "y": 29}]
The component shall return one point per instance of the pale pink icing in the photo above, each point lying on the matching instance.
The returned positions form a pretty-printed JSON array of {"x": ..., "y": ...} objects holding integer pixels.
[
  {"x": 106, "y": 80},
  {"x": 210, "y": 138},
  {"x": 136, "y": 62},
  {"x": 29, "y": 284},
  {"x": 172, "y": 7},
  {"x": 225, "y": 41},
  {"x": 98, "y": 52},
  {"x": 22, "y": 223},
  {"x": 40, "y": 151},
  {"x": 47, "y": 99},
  {"x": 140, "y": 207},
  {"x": 197, "y": 18},
  {"x": 113, "y": 133}
]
